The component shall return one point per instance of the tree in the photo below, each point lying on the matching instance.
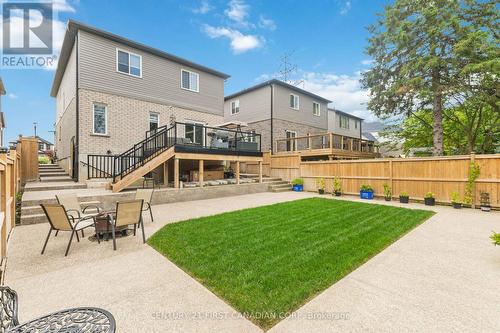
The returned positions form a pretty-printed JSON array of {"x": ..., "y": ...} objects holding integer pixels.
[{"x": 433, "y": 55}]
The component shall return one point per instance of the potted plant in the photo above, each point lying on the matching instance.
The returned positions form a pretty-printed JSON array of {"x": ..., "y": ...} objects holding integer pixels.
[
  {"x": 404, "y": 197},
  {"x": 298, "y": 185},
  {"x": 495, "y": 238},
  {"x": 320, "y": 183},
  {"x": 485, "y": 201},
  {"x": 429, "y": 199},
  {"x": 387, "y": 192},
  {"x": 337, "y": 186},
  {"x": 366, "y": 192},
  {"x": 455, "y": 200}
]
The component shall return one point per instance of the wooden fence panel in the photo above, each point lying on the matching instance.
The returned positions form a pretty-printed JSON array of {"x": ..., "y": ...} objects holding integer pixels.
[
  {"x": 29, "y": 158},
  {"x": 416, "y": 176}
]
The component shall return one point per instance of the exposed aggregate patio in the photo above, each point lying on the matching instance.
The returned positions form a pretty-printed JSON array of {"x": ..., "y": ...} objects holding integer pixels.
[{"x": 442, "y": 276}]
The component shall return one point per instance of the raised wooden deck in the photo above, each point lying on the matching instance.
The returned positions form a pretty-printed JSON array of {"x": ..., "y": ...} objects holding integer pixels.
[{"x": 331, "y": 145}]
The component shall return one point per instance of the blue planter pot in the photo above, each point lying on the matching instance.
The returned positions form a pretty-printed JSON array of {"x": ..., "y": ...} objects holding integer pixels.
[
  {"x": 298, "y": 188},
  {"x": 366, "y": 195}
]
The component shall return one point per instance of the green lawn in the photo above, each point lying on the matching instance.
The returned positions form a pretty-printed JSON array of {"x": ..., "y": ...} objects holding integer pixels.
[{"x": 270, "y": 260}]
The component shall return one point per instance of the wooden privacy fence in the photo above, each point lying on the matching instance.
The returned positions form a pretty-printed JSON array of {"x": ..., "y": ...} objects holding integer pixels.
[
  {"x": 415, "y": 176},
  {"x": 9, "y": 184},
  {"x": 27, "y": 147}
]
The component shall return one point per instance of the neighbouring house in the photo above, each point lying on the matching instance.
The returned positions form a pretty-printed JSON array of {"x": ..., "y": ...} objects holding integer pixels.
[
  {"x": 44, "y": 145},
  {"x": 278, "y": 110},
  {"x": 111, "y": 90},
  {"x": 2, "y": 117},
  {"x": 344, "y": 123}
]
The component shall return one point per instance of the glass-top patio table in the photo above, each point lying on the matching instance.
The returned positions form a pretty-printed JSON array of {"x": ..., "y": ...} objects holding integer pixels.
[{"x": 76, "y": 320}]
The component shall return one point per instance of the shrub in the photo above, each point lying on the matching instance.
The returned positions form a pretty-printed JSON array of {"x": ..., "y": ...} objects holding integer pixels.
[
  {"x": 387, "y": 191},
  {"x": 474, "y": 172},
  {"x": 366, "y": 188},
  {"x": 298, "y": 181},
  {"x": 320, "y": 183},
  {"x": 455, "y": 197},
  {"x": 495, "y": 238},
  {"x": 404, "y": 194},
  {"x": 429, "y": 195},
  {"x": 337, "y": 184},
  {"x": 43, "y": 160}
]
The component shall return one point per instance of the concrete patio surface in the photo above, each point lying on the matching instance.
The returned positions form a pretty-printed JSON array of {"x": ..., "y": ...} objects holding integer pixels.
[{"x": 442, "y": 276}]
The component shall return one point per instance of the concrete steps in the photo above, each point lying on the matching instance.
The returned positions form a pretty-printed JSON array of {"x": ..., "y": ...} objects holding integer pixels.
[{"x": 280, "y": 186}]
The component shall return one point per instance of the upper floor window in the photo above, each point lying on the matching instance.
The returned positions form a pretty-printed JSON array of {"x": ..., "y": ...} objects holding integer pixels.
[
  {"x": 316, "y": 109},
  {"x": 294, "y": 102},
  {"x": 154, "y": 120},
  {"x": 128, "y": 63},
  {"x": 235, "y": 106},
  {"x": 344, "y": 122},
  {"x": 190, "y": 80},
  {"x": 100, "y": 119}
]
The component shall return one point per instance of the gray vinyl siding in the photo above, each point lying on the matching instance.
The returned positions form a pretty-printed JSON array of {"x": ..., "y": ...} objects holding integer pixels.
[
  {"x": 255, "y": 106},
  {"x": 160, "y": 82},
  {"x": 67, "y": 88},
  {"x": 334, "y": 125},
  {"x": 304, "y": 115}
]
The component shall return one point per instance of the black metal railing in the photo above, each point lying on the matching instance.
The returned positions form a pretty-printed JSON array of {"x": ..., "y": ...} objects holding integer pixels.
[
  {"x": 100, "y": 166},
  {"x": 191, "y": 135}
]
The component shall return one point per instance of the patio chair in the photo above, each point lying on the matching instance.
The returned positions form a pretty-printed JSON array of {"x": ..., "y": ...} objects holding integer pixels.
[
  {"x": 60, "y": 221},
  {"x": 127, "y": 213},
  {"x": 8, "y": 309},
  {"x": 146, "y": 195},
  {"x": 74, "y": 209}
]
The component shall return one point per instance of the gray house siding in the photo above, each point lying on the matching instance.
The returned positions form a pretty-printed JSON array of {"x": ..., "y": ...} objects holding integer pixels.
[
  {"x": 334, "y": 125},
  {"x": 160, "y": 81},
  {"x": 255, "y": 106},
  {"x": 304, "y": 115}
]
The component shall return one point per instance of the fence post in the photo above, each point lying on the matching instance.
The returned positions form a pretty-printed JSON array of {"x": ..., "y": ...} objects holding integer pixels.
[
  {"x": 473, "y": 190},
  {"x": 390, "y": 176}
]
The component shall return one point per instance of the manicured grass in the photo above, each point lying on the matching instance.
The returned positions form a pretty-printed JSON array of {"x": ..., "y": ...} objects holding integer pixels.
[{"x": 270, "y": 260}]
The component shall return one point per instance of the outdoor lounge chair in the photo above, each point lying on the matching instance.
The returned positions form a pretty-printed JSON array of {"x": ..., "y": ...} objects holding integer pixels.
[
  {"x": 60, "y": 221},
  {"x": 127, "y": 213},
  {"x": 73, "y": 207},
  {"x": 8, "y": 309},
  {"x": 146, "y": 195}
]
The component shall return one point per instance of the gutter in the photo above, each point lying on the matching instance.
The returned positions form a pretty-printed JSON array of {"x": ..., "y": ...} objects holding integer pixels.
[
  {"x": 272, "y": 127},
  {"x": 76, "y": 153}
]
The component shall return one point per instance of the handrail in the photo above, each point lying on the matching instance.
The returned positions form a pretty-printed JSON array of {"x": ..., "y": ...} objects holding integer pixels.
[{"x": 322, "y": 135}]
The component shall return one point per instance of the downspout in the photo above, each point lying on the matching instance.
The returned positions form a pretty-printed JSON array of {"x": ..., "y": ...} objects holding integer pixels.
[
  {"x": 77, "y": 134},
  {"x": 272, "y": 127}
]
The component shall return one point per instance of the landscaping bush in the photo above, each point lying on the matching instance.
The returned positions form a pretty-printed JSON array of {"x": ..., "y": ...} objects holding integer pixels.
[
  {"x": 43, "y": 160},
  {"x": 495, "y": 238},
  {"x": 387, "y": 192},
  {"x": 298, "y": 181}
]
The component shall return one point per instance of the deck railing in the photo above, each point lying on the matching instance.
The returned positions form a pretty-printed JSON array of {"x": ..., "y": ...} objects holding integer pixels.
[{"x": 326, "y": 143}]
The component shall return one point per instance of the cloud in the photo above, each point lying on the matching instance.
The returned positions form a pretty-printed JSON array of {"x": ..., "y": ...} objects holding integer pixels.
[
  {"x": 62, "y": 6},
  {"x": 240, "y": 43},
  {"x": 13, "y": 96},
  {"x": 367, "y": 62},
  {"x": 344, "y": 91},
  {"x": 266, "y": 23},
  {"x": 203, "y": 8},
  {"x": 346, "y": 7},
  {"x": 262, "y": 78},
  {"x": 238, "y": 12}
]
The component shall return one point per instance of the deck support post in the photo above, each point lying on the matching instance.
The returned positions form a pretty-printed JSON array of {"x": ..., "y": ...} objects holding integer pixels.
[
  {"x": 165, "y": 173},
  {"x": 176, "y": 173},
  {"x": 200, "y": 172},
  {"x": 237, "y": 172},
  {"x": 260, "y": 172}
]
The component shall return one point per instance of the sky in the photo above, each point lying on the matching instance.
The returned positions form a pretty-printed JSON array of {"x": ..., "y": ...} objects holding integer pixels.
[{"x": 324, "y": 39}]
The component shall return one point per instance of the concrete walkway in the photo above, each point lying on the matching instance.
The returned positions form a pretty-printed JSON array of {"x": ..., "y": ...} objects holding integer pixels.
[{"x": 442, "y": 276}]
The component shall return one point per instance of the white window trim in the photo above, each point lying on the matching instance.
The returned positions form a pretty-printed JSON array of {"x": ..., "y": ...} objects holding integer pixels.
[
  {"x": 105, "y": 119},
  {"x": 231, "y": 107},
  {"x": 149, "y": 119},
  {"x": 129, "y": 54},
  {"x": 319, "y": 109},
  {"x": 293, "y": 143},
  {"x": 197, "y": 80},
  {"x": 297, "y": 108}
]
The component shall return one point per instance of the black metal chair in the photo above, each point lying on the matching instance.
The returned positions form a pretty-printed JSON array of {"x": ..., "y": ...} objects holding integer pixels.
[{"x": 8, "y": 311}]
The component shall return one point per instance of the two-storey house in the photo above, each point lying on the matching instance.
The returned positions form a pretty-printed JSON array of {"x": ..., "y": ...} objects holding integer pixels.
[
  {"x": 344, "y": 123},
  {"x": 278, "y": 110},
  {"x": 110, "y": 90}
]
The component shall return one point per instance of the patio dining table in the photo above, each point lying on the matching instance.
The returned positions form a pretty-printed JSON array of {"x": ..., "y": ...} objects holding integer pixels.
[{"x": 75, "y": 320}]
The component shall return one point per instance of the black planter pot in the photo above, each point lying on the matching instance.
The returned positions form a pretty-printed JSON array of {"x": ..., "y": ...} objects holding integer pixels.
[
  {"x": 456, "y": 205},
  {"x": 321, "y": 191},
  {"x": 338, "y": 194},
  {"x": 430, "y": 201},
  {"x": 404, "y": 199},
  {"x": 387, "y": 198}
]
